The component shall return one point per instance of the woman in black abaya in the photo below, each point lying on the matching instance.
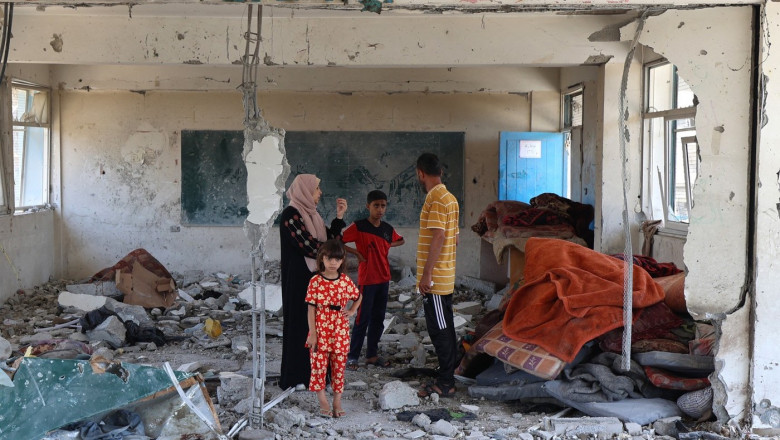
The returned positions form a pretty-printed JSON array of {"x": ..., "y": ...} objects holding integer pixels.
[{"x": 301, "y": 231}]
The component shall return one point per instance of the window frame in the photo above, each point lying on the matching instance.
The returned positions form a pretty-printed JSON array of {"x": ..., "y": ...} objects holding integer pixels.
[
  {"x": 15, "y": 83},
  {"x": 653, "y": 182}
]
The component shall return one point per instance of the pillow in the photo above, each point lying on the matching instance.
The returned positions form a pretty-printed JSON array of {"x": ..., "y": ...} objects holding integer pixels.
[
  {"x": 664, "y": 379},
  {"x": 697, "y": 366},
  {"x": 527, "y": 357},
  {"x": 641, "y": 411}
]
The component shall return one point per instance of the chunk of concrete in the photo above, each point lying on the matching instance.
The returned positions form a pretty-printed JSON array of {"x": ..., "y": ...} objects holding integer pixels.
[
  {"x": 232, "y": 388},
  {"x": 273, "y": 297},
  {"x": 5, "y": 349},
  {"x": 459, "y": 321},
  {"x": 633, "y": 428},
  {"x": 415, "y": 434},
  {"x": 98, "y": 288},
  {"x": 81, "y": 301},
  {"x": 397, "y": 394},
  {"x": 128, "y": 312},
  {"x": 287, "y": 418},
  {"x": 422, "y": 420},
  {"x": 241, "y": 344},
  {"x": 467, "y": 308},
  {"x": 443, "y": 427},
  {"x": 667, "y": 426},
  {"x": 111, "y": 331},
  {"x": 596, "y": 426},
  {"x": 484, "y": 287}
]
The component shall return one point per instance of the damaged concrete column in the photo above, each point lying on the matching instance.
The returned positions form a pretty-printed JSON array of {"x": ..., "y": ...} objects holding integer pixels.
[{"x": 712, "y": 50}]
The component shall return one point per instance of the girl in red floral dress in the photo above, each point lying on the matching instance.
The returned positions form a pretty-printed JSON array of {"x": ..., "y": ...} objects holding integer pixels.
[{"x": 328, "y": 341}]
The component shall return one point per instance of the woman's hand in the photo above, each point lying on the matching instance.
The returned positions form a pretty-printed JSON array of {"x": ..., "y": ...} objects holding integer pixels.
[
  {"x": 341, "y": 208},
  {"x": 311, "y": 341},
  {"x": 348, "y": 313}
]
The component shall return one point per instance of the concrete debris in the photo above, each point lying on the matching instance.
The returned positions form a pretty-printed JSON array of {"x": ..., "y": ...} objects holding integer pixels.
[
  {"x": 273, "y": 297},
  {"x": 486, "y": 288},
  {"x": 98, "y": 288},
  {"x": 468, "y": 308},
  {"x": 421, "y": 420},
  {"x": 5, "y": 349},
  {"x": 396, "y": 395},
  {"x": 112, "y": 331},
  {"x": 372, "y": 396},
  {"x": 443, "y": 427},
  {"x": 591, "y": 426},
  {"x": 80, "y": 301}
]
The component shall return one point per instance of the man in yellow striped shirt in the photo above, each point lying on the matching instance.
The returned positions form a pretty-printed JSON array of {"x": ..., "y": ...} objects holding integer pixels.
[{"x": 436, "y": 249}]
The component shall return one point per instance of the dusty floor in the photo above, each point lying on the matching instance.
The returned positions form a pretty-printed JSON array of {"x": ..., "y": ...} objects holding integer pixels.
[{"x": 32, "y": 311}]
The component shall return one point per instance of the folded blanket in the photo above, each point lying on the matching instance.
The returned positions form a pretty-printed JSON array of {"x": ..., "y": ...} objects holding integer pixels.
[{"x": 572, "y": 295}]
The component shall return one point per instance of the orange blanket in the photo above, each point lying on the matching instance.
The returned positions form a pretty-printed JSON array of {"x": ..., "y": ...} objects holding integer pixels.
[{"x": 572, "y": 295}]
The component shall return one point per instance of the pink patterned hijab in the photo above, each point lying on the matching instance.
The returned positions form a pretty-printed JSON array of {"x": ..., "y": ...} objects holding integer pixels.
[{"x": 301, "y": 195}]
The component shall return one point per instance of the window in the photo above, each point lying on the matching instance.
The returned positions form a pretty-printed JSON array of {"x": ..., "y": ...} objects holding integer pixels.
[
  {"x": 670, "y": 148},
  {"x": 572, "y": 108},
  {"x": 30, "y": 112}
]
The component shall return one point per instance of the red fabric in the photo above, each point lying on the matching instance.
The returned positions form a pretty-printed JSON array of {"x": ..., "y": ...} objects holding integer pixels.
[
  {"x": 654, "y": 268},
  {"x": 373, "y": 243},
  {"x": 664, "y": 379},
  {"x": 572, "y": 295},
  {"x": 143, "y": 257}
]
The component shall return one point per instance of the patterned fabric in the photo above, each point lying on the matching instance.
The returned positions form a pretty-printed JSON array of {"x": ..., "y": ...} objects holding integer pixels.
[
  {"x": 527, "y": 357},
  {"x": 654, "y": 268},
  {"x": 305, "y": 241},
  {"x": 332, "y": 329},
  {"x": 440, "y": 211},
  {"x": 331, "y": 325},
  {"x": 664, "y": 379},
  {"x": 142, "y": 256},
  {"x": 650, "y": 324},
  {"x": 533, "y": 216},
  {"x": 319, "y": 367}
]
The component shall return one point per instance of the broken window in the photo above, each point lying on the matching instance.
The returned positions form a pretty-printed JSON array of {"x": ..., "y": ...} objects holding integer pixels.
[
  {"x": 30, "y": 112},
  {"x": 671, "y": 151}
]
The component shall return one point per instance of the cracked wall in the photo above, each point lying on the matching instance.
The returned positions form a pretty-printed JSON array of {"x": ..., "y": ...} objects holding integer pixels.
[
  {"x": 766, "y": 352},
  {"x": 714, "y": 56}
]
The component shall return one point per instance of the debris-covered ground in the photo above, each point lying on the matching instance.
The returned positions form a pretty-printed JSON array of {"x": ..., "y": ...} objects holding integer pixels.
[{"x": 378, "y": 401}]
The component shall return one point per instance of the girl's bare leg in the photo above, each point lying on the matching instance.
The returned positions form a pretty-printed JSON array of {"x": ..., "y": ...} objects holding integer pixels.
[{"x": 337, "y": 404}]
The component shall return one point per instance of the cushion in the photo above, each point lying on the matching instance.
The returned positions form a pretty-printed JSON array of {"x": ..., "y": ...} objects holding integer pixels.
[
  {"x": 688, "y": 364},
  {"x": 641, "y": 411},
  {"x": 522, "y": 355},
  {"x": 666, "y": 380}
]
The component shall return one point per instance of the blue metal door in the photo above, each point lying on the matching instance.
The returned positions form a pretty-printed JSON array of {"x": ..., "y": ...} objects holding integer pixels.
[{"x": 532, "y": 163}]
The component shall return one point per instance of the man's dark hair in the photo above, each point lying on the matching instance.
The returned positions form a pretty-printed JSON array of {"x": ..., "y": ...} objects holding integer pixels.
[
  {"x": 429, "y": 164},
  {"x": 376, "y": 195}
]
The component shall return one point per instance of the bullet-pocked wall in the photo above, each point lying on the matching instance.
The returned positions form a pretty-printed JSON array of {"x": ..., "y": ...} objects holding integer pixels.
[
  {"x": 29, "y": 242},
  {"x": 121, "y": 162}
]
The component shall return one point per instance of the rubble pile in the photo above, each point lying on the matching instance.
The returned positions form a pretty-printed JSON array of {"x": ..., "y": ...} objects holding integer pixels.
[{"x": 207, "y": 331}]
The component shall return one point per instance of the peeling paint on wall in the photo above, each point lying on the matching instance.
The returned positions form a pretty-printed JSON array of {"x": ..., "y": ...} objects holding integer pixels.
[{"x": 56, "y": 42}]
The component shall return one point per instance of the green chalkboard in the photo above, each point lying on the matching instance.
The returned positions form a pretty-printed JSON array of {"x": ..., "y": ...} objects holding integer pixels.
[
  {"x": 349, "y": 163},
  {"x": 352, "y": 163},
  {"x": 213, "y": 178}
]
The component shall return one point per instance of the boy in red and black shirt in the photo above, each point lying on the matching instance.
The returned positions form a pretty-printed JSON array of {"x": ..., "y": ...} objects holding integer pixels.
[{"x": 373, "y": 239}]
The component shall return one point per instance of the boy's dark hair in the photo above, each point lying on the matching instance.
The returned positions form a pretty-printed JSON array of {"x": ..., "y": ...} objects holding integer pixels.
[
  {"x": 376, "y": 195},
  {"x": 429, "y": 164},
  {"x": 332, "y": 248}
]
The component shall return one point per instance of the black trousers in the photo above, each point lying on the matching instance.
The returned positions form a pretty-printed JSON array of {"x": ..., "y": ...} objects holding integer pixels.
[{"x": 441, "y": 329}]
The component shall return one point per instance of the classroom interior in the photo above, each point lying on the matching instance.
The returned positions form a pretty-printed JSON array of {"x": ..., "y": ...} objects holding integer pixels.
[{"x": 124, "y": 81}]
